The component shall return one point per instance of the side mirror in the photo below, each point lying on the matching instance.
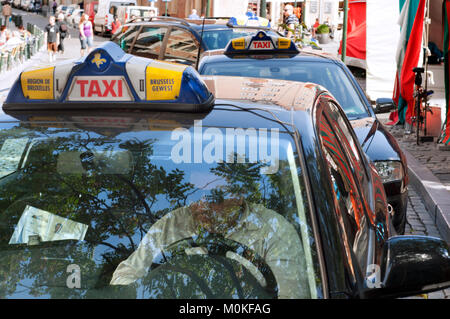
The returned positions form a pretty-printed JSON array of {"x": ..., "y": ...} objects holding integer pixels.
[
  {"x": 384, "y": 105},
  {"x": 413, "y": 265}
]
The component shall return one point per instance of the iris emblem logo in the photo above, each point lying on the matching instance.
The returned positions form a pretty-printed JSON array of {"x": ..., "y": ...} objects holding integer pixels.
[{"x": 98, "y": 60}]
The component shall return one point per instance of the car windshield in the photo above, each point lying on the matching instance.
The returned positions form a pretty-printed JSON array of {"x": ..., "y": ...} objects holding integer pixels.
[
  {"x": 219, "y": 38},
  {"x": 329, "y": 75},
  {"x": 125, "y": 207}
]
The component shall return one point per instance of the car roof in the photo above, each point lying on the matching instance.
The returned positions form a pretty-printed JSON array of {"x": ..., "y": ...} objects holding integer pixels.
[{"x": 195, "y": 25}]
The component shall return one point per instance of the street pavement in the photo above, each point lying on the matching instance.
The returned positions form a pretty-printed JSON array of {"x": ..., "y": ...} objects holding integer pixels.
[{"x": 420, "y": 219}]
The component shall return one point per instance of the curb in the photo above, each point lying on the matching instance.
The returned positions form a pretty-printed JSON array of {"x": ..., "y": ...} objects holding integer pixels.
[{"x": 434, "y": 193}]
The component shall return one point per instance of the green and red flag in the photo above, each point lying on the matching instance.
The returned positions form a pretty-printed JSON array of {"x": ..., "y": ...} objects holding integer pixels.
[
  {"x": 445, "y": 135},
  {"x": 412, "y": 13}
]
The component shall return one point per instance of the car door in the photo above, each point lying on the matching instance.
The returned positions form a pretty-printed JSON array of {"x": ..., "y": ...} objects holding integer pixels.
[{"x": 350, "y": 185}]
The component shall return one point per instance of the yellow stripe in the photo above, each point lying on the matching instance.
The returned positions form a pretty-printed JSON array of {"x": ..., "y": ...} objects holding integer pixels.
[
  {"x": 38, "y": 84},
  {"x": 238, "y": 44},
  {"x": 163, "y": 80}
]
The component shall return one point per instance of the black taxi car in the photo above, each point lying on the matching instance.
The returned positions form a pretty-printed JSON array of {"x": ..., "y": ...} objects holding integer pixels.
[
  {"x": 124, "y": 177},
  {"x": 262, "y": 56},
  {"x": 179, "y": 40}
]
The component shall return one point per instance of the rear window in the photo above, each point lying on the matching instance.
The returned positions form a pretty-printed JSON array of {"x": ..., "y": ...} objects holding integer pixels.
[
  {"x": 329, "y": 75},
  {"x": 107, "y": 207}
]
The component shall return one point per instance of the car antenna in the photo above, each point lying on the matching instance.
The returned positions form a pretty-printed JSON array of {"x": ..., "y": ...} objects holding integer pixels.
[{"x": 201, "y": 43}]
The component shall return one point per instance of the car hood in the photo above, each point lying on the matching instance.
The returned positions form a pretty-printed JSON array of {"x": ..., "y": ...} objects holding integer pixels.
[{"x": 376, "y": 141}]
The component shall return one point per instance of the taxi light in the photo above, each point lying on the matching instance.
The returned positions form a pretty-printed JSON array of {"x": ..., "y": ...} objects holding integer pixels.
[
  {"x": 248, "y": 20},
  {"x": 261, "y": 43},
  {"x": 108, "y": 78}
]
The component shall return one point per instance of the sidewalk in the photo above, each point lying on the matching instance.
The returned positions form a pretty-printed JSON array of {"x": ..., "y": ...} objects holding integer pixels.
[
  {"x": 40, "y": 59},
  {"x": 429, "y": 173}
]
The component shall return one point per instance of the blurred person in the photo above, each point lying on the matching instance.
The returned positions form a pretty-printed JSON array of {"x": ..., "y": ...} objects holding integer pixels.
[
  {"x": 315, "y": 26},
  {"x": 24, "y": 34},
  {"x": 63, "y": 32},
  {"x": 52, "y": 38},
  {"x": 194, "y": 15},
  {"x": 262, "y": 230},
  {"x": 54, "y": 5},
  {"x": 4, "y": 35},
  {"x": 291, "y": 20},
  {"x": 115, "y": 25},
  {"x": 6, "y": 12},
  {"x": 86, "y": 34},
  {"x": 152, "y": 13}
]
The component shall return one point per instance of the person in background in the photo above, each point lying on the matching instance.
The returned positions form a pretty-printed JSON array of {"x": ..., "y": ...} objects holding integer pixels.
[
  {"x": 86, "y": 34},
  {"x": 54, "y": 5},
  {"x": 24, "y": 34},
  {"x": 315, "y": 26},
  {"x": 4, "y": 35},
  {"x": 194, "y": 15},
  {"x": 63, "y": 30},
  {"x": 115, "y": 25},
  {"x": 291, "y": 20},
  {"x": 6, "y": 12},
  {"x": 52, "y": 38},
  {"x": 152, "y": 13}
]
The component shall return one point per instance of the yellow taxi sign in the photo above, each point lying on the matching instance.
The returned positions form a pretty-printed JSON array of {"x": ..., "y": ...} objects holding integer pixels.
[
  {"x": 38, "y": 84},
  {"x": 261, "y": 43},
  {"x": 284, "y": 43},
  {"x": 238, "y": 44},
  {"x": 163, "y": 80}
]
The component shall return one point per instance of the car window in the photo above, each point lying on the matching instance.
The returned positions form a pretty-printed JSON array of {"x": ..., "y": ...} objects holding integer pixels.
[
  {"x": 329, "y": 75},
  {"x": 350, "y": 143},
  {"x": 126, "y": 40},
  {"x": 105, "y": 207},
  {"x": 149, "y": 42},
  {"x": 181, "y": 47},
  {"x": 346, "y": 190},
  {"x": 219, "y": 38}
]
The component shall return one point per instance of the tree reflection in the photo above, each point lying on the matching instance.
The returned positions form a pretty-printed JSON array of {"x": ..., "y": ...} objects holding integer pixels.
[{"x": 119, "y": 209}]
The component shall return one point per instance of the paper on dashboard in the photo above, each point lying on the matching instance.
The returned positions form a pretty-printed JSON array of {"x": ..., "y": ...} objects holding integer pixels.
[{"x": 49, "y": 227}]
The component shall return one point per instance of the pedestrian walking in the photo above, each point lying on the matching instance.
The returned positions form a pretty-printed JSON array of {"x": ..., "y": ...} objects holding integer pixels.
[
  {"x": 63, "y": 32},
  {"x": 86, "y": 34},
  {"x": 291, "y": 20},
  {"x": 6, "y": 12},
  {"x": 52, "y": 38},
  {"x": 54, "y": 5}
]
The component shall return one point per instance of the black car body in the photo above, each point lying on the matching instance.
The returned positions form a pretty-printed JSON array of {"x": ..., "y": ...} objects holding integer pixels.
[
  {"x": 178, "y": 40},
  {"x": 211, "y": 190},
  {"x": 376, "y": 141}
]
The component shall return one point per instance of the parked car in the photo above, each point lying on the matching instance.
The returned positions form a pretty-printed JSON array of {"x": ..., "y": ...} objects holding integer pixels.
[
  {"x": 126, "y": 177},
  {"x": 126, "y": 13},
  {"x": 75, "y": 17},
  {"x": 70, "y": 9},
  {"x": 24, "y": 4},
  {"x": 294, "y": 65},
  {"x": 105, "y": 14},
  {"x": 148, "y": 38}
]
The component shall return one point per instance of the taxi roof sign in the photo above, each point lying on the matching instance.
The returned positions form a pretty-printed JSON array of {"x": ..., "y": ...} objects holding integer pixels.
[
  {"x": 261, "y": 43},
  {"x": 248, "y": 20},
  {"x": 108, "y": 78}
]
